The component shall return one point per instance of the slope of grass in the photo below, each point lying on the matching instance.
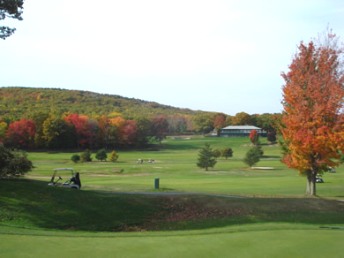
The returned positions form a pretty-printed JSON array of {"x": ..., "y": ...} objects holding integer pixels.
[{"x": 26, "y": 203}]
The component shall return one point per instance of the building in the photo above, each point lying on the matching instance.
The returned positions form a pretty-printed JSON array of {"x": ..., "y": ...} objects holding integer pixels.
[{"x": 240, "y": 130}]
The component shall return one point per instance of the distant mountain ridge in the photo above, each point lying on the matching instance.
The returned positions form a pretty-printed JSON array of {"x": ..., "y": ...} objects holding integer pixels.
[{"x": 18, "y": 102}]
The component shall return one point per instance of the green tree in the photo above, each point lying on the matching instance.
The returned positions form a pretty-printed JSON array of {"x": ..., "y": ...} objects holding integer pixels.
[
  {"x": 253, "y": 156},
  {"x": 13, "y": 163},
  {"x": 206, "y": 157},
  {"x": 101, "y": 155},
  {"x": 227, "y": 152},
  {"x": 58, "y": 134},
  {"x": 10, "y": 9},
  {"x": 203, "y": 122}
]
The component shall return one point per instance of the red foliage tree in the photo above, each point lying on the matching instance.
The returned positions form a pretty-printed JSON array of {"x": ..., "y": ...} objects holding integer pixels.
[
  {"x": 85, "y": 129},
  {"x": 313, "y": 98},
  {"x": 219, "y": 121},
  {"x": 159, "y": 127},
  {"x": 128, "y": 133},
  {"x": 254, "y": 137},
  {"x": 21, "y": 134}
]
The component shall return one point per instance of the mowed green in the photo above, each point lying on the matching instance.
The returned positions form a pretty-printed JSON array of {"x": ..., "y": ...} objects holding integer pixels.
[
  {"x": 175, "y": 166},
  {"x": 228, "y": 211}
]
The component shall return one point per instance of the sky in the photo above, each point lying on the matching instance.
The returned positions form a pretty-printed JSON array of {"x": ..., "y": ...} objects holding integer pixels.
[{"x": 211, "y": 55}]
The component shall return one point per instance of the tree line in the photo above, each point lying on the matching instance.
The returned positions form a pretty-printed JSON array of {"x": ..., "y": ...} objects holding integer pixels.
[{"x": 79, "y": 131}]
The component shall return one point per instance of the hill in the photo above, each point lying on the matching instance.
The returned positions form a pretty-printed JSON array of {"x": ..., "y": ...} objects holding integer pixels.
[{"x": 17, "y": 102}]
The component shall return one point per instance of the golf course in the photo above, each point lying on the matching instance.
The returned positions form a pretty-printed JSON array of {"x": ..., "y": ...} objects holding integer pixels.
[{"x": 169, "y": 207}]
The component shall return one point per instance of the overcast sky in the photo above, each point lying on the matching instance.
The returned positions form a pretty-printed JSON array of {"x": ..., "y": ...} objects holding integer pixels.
[{"x": 224, "y": 56}]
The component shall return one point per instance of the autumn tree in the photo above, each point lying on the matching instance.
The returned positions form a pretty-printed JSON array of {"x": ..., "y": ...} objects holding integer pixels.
[
  {"x": 128, "y": 133},
  {"x": 313, "y": 99},
  {"x": 177, "y": 124},
  {"x": 85, "y": 129},
  {"x": 21, "y": 134},
  {"x": 242, "y": 118},
  {"x": 159, "y": 128},
  {"x": 10, "y": 9},
  {"x": 219, "y": 121},
  {"x": 114, "y": 156},
  {"x": 203, "y": 122},
  {"x": 254, "y": 137}
]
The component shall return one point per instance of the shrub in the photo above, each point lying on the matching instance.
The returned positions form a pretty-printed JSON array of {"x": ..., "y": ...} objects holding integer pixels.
[
  {"x": 86, "y": 156},
  {"x": 227, "y": 152},
  {"x": 113, "y": 156},
  {"x": 75, "y": 158},
  {"x": 101, "y": 155}
]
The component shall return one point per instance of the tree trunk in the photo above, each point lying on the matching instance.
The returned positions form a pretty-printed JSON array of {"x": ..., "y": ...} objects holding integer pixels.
[{"x": 311, "y": 183}]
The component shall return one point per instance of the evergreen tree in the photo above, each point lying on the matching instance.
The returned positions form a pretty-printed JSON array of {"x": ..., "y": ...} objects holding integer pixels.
[
  {"x": 253, "y": 156},
  {"x": 206, "y": 158}
]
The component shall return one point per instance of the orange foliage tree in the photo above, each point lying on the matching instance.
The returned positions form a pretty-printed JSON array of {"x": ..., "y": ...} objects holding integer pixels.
[{"x": 312, "y": 124}]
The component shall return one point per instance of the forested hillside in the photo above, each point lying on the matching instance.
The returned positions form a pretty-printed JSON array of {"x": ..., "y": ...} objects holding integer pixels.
[
  {"x": 36, "y": 118},
  {"x": 18, "y": 102}
]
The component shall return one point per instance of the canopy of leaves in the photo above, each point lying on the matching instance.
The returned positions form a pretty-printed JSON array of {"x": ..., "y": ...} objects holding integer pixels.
[
  {"x": 13, "y": 163},
  {"x": 313, "y": 125},
  {"x": 19, "y": 102},
  {"x": 10, "y": 9}
]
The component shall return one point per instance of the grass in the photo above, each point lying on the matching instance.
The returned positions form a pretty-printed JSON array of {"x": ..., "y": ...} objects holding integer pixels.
[{"x": 230, "y": 209}]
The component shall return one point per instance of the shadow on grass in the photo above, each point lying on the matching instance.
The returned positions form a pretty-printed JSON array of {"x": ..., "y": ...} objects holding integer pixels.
[{"x": 31, "y": 203}]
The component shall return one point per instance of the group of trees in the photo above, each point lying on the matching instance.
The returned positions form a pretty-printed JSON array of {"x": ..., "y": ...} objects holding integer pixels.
[
  {"x": 75, "y": 131},
  {"x": 207, "y": 156},
  {"x": 79, "y": 131}
]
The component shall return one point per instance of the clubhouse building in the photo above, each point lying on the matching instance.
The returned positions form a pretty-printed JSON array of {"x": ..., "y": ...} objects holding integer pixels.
[{"x": 240, "y": 130}]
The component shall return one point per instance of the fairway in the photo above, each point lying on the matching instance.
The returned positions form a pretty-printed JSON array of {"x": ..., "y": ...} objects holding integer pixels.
[
  {"x": 269, "y": 240},
  {"x": 229, "y": 211}
]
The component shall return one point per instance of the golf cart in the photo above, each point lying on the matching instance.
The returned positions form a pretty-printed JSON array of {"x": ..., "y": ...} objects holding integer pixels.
[{"x": 74, "y": 182}]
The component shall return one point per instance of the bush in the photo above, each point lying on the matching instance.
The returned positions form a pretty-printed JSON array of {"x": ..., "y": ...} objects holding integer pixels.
[
  {"x": 86, "y": 156},
  {"x": 75, "y": 158},
  {"x": 101, "y": 155},
  {"x": 113, "y": 156},
  {"x": 217, "y": 153},
  {"x": 227, "y": 152}
]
